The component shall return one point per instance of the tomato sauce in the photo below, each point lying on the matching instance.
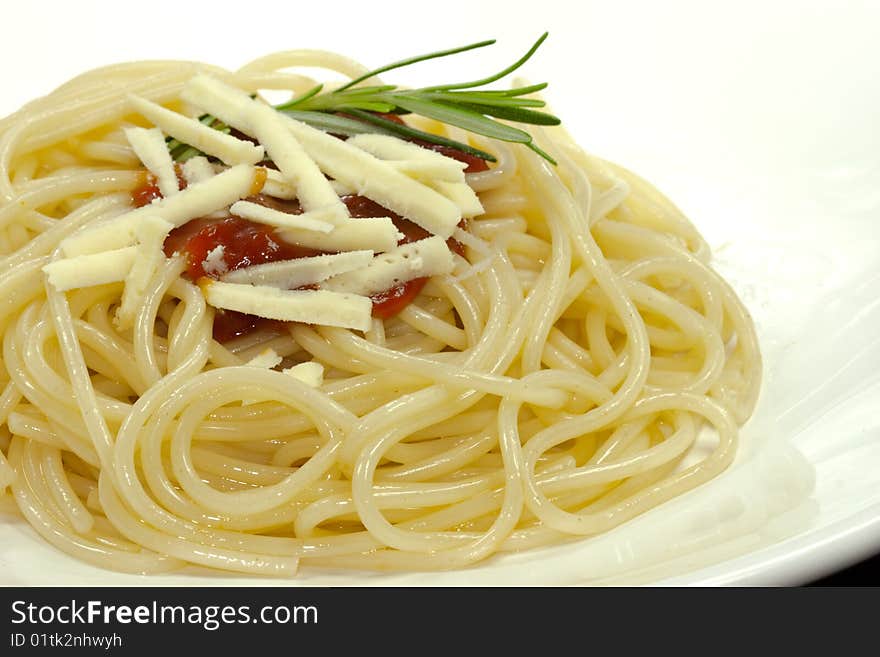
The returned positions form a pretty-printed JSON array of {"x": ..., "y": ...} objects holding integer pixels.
[
  {"x": 147, "y": 190},
  {"x": 245, "y": 243}
]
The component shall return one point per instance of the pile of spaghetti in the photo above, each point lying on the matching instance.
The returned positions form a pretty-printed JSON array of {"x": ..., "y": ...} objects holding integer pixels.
[{"x": 548, "y": 379}]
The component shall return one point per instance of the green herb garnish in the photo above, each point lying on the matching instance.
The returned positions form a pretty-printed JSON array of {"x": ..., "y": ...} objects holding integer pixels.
[{"x": 352, "y": 109}]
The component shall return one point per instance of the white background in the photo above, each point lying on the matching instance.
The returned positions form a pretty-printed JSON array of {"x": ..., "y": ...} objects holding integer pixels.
[{"x": 757, "y": 118}]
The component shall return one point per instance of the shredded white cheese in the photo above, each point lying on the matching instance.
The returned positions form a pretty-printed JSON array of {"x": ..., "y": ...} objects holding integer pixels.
[
  {"x": 427, "y": 257},
  {"x": 341, "y": 189},
  {"x": 216, "y": 193},
  {"x": 377, "y": 234},
  {"x": 214, "y": 263},
  {"x": 311, "y": 373},
  {"x": 278, "y": 187},
  {"x": 417, "y": 162},
  {"x": 290, "y": 274},
  {"x": 227, "y": 148},
  {"x": 151, "y": 233},
  {"x": 377, "y": 180},
  {"x": 311, "y": 151},
  {"x": 234, "y": 107},
  {"x": 197, "y": 169},
  {"x": 266, "y": 359},
  {"x": 312, "y": 189},
  {"x": 422, "y": 171},
  {"x": 307, "y": 306},
  {"x": 89, "y": 270},
  {"x": 149, "y": 145},
  {"x": 316, "y": 220},
  {"x": 461, "y": 194}
]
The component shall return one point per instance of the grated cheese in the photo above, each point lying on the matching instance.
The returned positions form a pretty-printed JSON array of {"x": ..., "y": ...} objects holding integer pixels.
[
  {"x": 266, "y": 359},
  {"x": 227, "y": 148},
  {"x": 412, "y": 159},
  {"x": 234, "y": 107},
  {"x": 302, "y": 158},
  {"x": 149, "y": 146},
  {"x": 377, "y": 180},
  {"x": 89, "y": 270},
  {"x": 461, "y": 194},
  {"x": 151, "y": 233},
  {"x": 214, "y": 262},
  {"x": 341, "y": 189},
  {"x": 377, "y": 234},
  {"x": 198, "y": 200},
  {"x": 311, "y": 373},
  {"x": 278, "y": 187},
  {"x": 197, "y": 169},
  {"x": 315, "y": 221},
  {"x": 307, "y": 306},
  {"x": 427, "y": 257},
  {"x": 290, "y": 274}
]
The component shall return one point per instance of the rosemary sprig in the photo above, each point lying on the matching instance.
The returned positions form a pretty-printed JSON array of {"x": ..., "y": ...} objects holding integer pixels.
[
  {"x": 352, "y": 109},
  {"x": 462, "y": 104}
]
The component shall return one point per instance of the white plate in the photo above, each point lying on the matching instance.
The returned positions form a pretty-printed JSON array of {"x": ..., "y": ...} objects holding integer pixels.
[{"x": 759, "y": 121}]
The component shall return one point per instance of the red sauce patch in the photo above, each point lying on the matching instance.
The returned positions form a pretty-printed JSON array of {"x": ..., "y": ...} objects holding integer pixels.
[
  {"x": 147, "y": 190},
  {"x": 245, "y": 243},
  {"x": 390, "y": 302},
  {"x": 390, "y": 116}
]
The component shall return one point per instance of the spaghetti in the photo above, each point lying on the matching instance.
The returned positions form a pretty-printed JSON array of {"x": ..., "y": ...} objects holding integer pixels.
[{"x": 552, "y": 385}]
